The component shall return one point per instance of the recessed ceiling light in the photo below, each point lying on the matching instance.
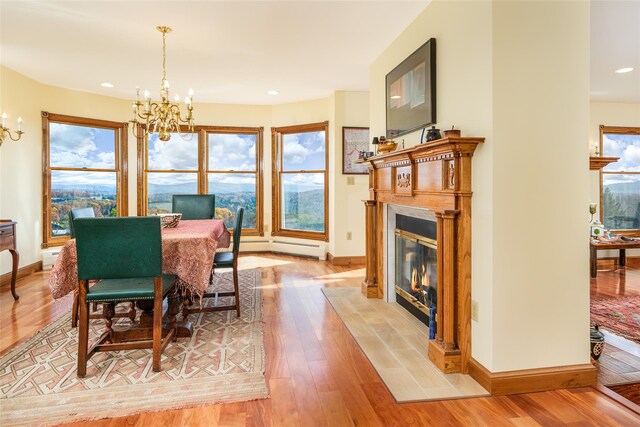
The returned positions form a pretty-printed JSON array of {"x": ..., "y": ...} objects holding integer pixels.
[
  {"x": 273, "y": 92},
  {"x": 624, "y": 70},
  {"x": 396, "y": 97},
  {"x": 106, "y": 84}
]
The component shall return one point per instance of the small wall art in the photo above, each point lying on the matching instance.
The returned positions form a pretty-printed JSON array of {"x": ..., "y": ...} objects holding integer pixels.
[{"x": 354, "y": 140}]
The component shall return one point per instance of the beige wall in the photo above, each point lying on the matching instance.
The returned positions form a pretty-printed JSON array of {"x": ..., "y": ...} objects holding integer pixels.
[
  {"x": 21, "y": 162},
  {"x": 502, "y": 68}
]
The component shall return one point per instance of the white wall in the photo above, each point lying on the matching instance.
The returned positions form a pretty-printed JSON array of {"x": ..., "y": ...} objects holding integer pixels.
[
  {"x": 515, "y": 73},
  {"x": 21, "y": 162},
  {"x": 350, "y": 109}
]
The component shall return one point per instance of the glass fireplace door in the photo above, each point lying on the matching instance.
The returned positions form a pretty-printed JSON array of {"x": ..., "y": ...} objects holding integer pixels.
[{"x": 416, "y": 270}]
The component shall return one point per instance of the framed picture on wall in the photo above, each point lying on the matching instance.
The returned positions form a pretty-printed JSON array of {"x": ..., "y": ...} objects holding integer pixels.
[{"x": 354, "y": 140}]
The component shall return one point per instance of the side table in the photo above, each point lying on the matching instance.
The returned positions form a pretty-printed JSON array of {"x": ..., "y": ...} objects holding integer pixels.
[{"x": 8, "y": 242}]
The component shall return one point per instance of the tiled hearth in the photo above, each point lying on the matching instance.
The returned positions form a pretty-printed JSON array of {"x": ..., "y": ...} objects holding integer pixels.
[{"x": 396, "y": 344}]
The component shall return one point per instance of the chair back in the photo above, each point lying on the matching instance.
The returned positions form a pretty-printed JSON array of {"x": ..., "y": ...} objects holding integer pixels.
[
  {"x": 237, "y": 231},
  {"x": 79, "y": 213},
  {"x": 116, "y": 248},
  {"x": 194, "y": 206}
]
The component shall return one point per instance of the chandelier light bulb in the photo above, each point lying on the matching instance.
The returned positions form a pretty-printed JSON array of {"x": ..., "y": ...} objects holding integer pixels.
[
  {"x": 4, "y": 120},
  {"x": 166, "y": 84},
  {"x": 147, "y": 95},
  {"x": 187, "y": 100},
  {"x": 177, "y": 98},
  {"x": 190, "y": 93}
]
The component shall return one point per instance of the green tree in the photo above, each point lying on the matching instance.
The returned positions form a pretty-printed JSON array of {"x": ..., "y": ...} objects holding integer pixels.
[{"x": 612, "y": 209}]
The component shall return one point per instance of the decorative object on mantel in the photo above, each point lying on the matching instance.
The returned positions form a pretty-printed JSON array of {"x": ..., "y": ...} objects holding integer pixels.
[
  {"x": 597, "y": 342},
  {"x": 452, "y": 133},
  {"x": 7, "y": 132},
  {"x": 592, "y": 210},
  {"x": 163, "y": 117},
  {"x": 433, "y": 134},
  {"x": 597, "y": 162},
  {"x": 375, "y": 144},
  {"x": 386, "y": 145}
]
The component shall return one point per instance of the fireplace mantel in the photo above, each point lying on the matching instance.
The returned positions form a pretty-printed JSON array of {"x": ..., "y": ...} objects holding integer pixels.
[{"x": 435, "y": 176}]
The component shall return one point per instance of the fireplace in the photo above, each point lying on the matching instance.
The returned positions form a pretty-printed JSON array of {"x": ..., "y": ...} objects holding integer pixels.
[
  {"x": 416, "y": 274},
  {"x": 431, "y": 181}
]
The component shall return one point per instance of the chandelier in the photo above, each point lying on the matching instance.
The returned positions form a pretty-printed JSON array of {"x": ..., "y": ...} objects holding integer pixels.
[{"x": 162, "y": 117}]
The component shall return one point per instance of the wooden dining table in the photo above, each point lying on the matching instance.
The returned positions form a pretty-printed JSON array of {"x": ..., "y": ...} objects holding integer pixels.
[{"x": 187, "y": 251}]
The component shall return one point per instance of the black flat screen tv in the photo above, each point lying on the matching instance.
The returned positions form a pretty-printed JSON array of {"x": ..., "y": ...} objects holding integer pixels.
[{"x": 411, "y": 92}]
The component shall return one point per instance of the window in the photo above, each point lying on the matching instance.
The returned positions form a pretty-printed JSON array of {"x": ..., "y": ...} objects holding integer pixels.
[
  {"x": 234, "y": 175},
  {"x": 84, "y": 165},
  {"x": 171, "y": 168},
  {"x": 620, "y": 181},
  {"x": 300, "y": 181},
  {"x": 225, "y": 161}
]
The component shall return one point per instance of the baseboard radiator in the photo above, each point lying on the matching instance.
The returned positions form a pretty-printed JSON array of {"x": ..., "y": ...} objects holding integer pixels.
[{"x": 319, "y": 251}]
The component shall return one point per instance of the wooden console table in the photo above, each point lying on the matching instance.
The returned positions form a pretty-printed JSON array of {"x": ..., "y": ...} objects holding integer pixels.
[
  {"x": 8, "y": 242},
  {"x": 603, "y": 246}
]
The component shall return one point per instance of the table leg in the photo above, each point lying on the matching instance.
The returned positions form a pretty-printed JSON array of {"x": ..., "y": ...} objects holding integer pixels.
[
  {"x": 594, "y": 261},
  {"x": 14, "y": 273},
  {"x": 623, "y": 257}
]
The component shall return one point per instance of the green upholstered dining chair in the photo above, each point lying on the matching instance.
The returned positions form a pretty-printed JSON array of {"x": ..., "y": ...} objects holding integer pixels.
[
  {"x": 194, "y": 206},
  {"x": 229, "y": 260},
  {"x": 79, "y": 213},
  {"x": 131, "y": 313},
  {"x": 125, "y": 256}
]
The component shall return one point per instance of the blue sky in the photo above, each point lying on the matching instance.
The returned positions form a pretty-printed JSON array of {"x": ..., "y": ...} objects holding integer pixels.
[
  {"x": 304, "y": 151},
  {"x": 81, "y": 146}
]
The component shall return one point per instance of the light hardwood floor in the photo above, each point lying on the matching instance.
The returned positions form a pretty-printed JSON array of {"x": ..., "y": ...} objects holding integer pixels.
[{"x": 316, "y": 373}]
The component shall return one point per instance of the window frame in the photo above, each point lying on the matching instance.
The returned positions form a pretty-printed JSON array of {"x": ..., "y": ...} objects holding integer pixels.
[
  {"x": 235, "y": 130},
  {"x": 202, "y": 132},
  {"x": 120, "y": 167},
  {"x": 277, "y": 170},
  {"x": 142, "y": 156},
  {"x": 620, "y": 130}
]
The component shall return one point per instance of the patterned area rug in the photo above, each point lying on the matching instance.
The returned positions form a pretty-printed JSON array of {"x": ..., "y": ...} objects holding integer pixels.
[
  {"x": 619, "y": 316},
  {"x": 222, "y": 362}
]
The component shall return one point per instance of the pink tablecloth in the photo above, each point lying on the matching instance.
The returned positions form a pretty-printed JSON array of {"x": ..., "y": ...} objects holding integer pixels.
[{"x": 187, "y": 251}]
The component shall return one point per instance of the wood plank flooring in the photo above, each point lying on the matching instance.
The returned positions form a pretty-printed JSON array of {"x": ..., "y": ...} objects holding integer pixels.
[
  {"x": 316, "y": 373},
  {"x": 618, "y": 369}
]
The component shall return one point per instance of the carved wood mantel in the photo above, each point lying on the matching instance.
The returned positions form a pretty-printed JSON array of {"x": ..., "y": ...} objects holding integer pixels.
[{"x": 435, "y": 176}]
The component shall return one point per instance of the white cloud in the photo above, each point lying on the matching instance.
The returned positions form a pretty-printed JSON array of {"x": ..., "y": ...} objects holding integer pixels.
[
  {"x": 306, "y": 179},
  {"x": 232, "y": 151},
  {"x": 177, "y": 153}
]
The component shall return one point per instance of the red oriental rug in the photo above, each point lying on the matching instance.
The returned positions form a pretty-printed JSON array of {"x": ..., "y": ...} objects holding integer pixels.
[{"x": 619, "y": 316}]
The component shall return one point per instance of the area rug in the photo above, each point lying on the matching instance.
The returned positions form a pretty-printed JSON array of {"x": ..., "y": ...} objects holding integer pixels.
[
  {"x": 619, "y": 316},
  {"x": 396, "y": 344},
  {"x": 222, "y": 362}
]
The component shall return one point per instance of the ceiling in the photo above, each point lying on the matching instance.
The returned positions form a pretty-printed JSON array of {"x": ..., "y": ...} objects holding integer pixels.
[
  {"x": 615, "y": 44},
  {"x": 227, "y": 51},
  {"x": 233, "y": 52}
]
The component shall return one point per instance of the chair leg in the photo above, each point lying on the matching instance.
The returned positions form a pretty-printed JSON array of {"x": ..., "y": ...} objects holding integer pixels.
[
  {"x": 74, "y": 310},
  {"x": 108, "y": 311},
  {"x": 157, "y": 326},
  {"x": 236, "y": 288},
  {"x": 83, "y": 336}
]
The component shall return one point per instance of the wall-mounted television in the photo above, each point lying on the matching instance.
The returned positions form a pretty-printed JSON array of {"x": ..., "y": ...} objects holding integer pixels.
[{"x": 411, "y": 92}]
